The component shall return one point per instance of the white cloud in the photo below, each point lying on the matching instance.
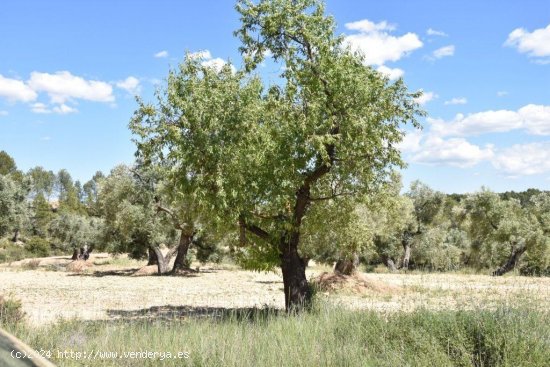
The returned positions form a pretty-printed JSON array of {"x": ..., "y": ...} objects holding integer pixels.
[
  {"x": 3, "y": 113},
  {"x": 535, "y": 119},
  {"x": 45, "y": 138},
  {"x": 377, "y": 44},
  {"x": 130, "y": 84},
  {"x": 366, "y": 26},
  {"x": 433, "y": 32},
  {"x": 502, "y": 93},
  {"x": 63, "y": 109},
  {"x": 391, "y": 73},
  {"x": 457, "y": 152},
  {"x": 411, "y": 141},
  {"x": 426, "y": 97},
  {"x": 161, "y": 54},
  {"x": 207, "y": 60},
  {"x": 204, "y": 54},
  {"x": 63, "y": 86},
  {"x": 15, "y": 90},
  {"x": 524, "y": 159},
  {"x": 457, "y": 100},
  {"x": 534, "y": 44},
  {"x": 40, "y": 108},
  {"x": 217, "y": 64},
  {"x": 444, "y": 51}
]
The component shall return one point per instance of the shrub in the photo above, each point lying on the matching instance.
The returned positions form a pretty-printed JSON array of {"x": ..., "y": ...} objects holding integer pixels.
[
  {"x": 31, "y": 264},
  {"x": 38, "y": 246},
  {"x": 11, "y": 312}
]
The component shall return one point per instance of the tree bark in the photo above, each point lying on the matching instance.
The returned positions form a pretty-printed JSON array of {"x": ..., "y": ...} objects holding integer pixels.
[
  {"x": 297, "y": 292},
  {"x": 152, "y": 257},
  {"x": 511, "y": 262},
  {"x": 181, "y": 262},
  {"x": 391, "y": 265},
  {"x": 347, "y": 266},
  {"x": 406, "y": 243},
  {"x": 163, "y": 261},
  {"x": 75, "y": 254},
  {"x": 15, "y": 236}
]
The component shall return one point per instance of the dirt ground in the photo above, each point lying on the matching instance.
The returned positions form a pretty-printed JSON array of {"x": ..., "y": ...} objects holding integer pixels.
[{"x": 109, "y": 289}]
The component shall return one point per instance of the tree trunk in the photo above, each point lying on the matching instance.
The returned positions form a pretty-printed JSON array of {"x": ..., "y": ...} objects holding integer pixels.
[
  {"x": 75, "y": 254},
  {"x": 15, "y": 236},
  {"x": 406, "y": 243},
  {"x": 162, "y": 261},
  {"x": 347, "y": 266},
  {"x": 512, "y": 261},
  {"x": 181, "y": 262},
  {"x": 152, "y": 258},
  {"x": 391, "y": 265},
  {"x": 297, "y": 292}
]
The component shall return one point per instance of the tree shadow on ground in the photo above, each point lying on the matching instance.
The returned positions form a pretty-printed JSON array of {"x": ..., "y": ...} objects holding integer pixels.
[
  {"x": 103, "y": 273},
  {"x": 269, "y": 281},
  {"x": 185, "y": 312},
  {"x": 131, "y": 271}
]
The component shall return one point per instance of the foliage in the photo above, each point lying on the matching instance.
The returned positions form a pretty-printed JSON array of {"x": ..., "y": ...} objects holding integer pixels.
[
  {"x": 38, "y": 246},
  {"x": 131, "y": 223},
  {"x": 71, "y": 231},
  {"x": 7, "y": 164},
  {"x": 11, "y": 311},
  {"x": 243, "y": 150}
]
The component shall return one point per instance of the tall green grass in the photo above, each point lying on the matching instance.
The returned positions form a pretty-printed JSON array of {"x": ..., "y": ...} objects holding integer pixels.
[{"x": 326, "y": 337}]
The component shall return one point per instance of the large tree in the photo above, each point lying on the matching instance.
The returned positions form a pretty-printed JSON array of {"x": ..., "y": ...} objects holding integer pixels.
[{"x": 262, "y": 156}]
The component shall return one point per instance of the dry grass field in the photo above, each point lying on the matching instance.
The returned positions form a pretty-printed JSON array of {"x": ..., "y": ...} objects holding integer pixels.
[{"x": 112, "y": 288}]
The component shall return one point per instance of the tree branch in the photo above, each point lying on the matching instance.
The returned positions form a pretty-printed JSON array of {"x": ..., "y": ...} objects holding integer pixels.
[{"x": 254, "y": 229}]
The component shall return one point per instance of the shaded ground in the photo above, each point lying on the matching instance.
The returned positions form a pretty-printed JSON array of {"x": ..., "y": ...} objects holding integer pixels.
[{"x": 109, "y": 290}]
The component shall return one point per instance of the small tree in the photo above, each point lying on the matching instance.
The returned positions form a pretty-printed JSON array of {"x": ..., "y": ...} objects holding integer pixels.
[{"x": 132, "y": 224}]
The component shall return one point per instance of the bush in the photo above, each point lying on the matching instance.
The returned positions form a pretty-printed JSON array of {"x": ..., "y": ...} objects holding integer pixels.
[
  {"x": 31, "y": 264},
  {"x": 11, "y": 312},
  {"x": 38, "y": 246},
  {"x": 12, "y": 252}
]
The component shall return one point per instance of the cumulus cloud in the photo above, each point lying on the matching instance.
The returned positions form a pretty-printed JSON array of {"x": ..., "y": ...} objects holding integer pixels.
[
  {"x": 161, "y": 54},
  {"x": 210, "y": 62},
  {"x": 457, "y": 100},
  {"x": 535, "y": 44},
  {"x": 204, "y": 54},
  {"x": 457, "y": 152},
  {"x": 63, "y": 109},
  {"x": 524, "y": 159},
  {"x": 391, "y": 73},
  {"x": 433, "y": 32},
  {"x": 535, "y": 119},
  {"x": 130, "y": 84},
  {"x": 63, "y": 86},
  {"x": 16, "y": 91},
  {"x": 444, "y": 52},
  {"x": 426, "y": 97},
  {"x": 377, "y": 44},
  {"x": 40, "y": 108}
]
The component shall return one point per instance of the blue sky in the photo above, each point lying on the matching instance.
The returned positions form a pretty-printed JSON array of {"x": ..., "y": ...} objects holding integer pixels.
[{"x": 69, "y": 70}]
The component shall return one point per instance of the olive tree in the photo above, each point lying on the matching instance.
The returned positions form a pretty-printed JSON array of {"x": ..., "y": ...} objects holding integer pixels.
[
  {"x": 262, "y": 156},
  {"x": 503, "y": 230},
  {"x": 131, "y": 223}
]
